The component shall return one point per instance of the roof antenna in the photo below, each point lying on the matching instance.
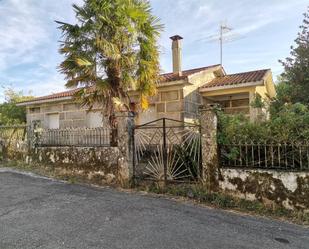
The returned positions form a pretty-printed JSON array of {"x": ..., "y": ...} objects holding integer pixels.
[{"x": 225, "y": 35}]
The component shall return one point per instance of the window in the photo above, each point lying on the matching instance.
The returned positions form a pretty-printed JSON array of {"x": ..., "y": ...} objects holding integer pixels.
[
  {"x": 33, "y": 110},
  {"x": 53, "y": 121},
  {"x": 94, "y": 119}
]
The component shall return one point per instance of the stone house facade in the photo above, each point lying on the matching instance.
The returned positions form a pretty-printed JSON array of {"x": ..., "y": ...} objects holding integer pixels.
[{"x": 180, "y": 93}]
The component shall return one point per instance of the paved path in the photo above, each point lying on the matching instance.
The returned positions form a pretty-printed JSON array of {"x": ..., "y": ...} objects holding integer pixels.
[{"x": 41, "y": 213}]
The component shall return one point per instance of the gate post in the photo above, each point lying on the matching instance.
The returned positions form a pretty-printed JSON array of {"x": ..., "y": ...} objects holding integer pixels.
[
  {"x": 210, "y": 164},
  {"x": 164, "y": 152},
  {"x": 125, "y": 126}
]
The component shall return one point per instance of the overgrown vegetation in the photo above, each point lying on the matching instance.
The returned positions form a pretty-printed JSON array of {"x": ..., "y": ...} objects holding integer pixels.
[
  {"x": 295, "y": 78},
  {"x": 290, "y": 123},
  {"x": 220, "y": 200},
  {"x": 289, "y": 110},
  {"x": 10, "y": 113}
]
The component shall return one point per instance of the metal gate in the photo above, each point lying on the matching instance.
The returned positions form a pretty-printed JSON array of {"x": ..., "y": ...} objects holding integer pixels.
[{"x": 167, "y": 150}]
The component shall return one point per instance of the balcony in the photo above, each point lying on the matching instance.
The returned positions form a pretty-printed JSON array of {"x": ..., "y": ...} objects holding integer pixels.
[{"x": 237, "y": 110}]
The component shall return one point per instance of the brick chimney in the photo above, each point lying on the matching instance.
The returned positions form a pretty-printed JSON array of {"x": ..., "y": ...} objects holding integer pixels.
[{"x": 177, "y": 54}]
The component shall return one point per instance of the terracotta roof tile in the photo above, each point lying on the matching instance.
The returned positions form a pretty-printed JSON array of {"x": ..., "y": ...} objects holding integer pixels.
[
  {"x": 167, "y": 77},
  {"x": 68, "y": 93},
  {"x": 236, "y": 79}
]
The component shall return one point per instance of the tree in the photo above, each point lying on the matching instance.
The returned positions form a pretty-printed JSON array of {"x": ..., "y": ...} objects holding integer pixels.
[
  {"x": 110, "y": 50},
  {"x": 284, "y": 91},
  {"x": 295, "y": 78},
  {"x": 10, "y": 113}
]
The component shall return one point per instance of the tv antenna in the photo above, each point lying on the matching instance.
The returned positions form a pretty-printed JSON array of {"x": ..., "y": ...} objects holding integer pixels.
[{"x": 225, "y": 35}]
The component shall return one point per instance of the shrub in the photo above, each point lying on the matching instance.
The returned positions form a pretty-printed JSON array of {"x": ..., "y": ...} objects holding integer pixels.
[{"x": 290, "y": 123}]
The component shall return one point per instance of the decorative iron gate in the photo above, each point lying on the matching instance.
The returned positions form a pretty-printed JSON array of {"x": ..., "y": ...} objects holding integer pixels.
[{"x": 167, "y": 150}]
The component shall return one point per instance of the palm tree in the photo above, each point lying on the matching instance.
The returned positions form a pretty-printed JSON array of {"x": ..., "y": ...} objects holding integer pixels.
[{"x": 110, "y": 50}]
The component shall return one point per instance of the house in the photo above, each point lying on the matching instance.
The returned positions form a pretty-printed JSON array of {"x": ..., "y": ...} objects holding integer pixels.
[{"x": 180, "y": 93}]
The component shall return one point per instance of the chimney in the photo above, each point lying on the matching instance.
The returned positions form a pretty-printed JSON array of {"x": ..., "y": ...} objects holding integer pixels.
[{"x": 177, "y": 56}]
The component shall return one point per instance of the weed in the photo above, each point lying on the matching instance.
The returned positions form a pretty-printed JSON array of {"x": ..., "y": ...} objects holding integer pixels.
[{"x": 224, "y": 201}]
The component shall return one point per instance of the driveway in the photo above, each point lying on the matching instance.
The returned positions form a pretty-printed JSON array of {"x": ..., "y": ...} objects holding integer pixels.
[{"x": 42, "y": 213}]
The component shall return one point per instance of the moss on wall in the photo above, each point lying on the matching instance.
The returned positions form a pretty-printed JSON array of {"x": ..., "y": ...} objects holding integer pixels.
[{"x": 286, "y": 189}]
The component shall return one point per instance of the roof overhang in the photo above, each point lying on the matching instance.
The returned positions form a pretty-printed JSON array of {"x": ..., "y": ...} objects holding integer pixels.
[
  {"x": 43, "y": 101},
  {"x": 163, "y": 85},
  {"x": 174, "y": 83},
  {"x": 241, "y": 85}
]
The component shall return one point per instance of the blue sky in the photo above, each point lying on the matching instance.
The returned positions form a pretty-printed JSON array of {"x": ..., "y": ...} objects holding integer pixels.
[{"x": 265, "y": 29}]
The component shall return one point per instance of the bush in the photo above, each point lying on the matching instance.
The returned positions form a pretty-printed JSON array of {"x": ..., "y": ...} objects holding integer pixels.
[{"x": 290, "y": 123}]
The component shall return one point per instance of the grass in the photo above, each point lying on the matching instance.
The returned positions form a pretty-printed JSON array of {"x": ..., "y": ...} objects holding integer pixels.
[
  {"x": 199, "y": 194},
  {"x": 194, "y": 192}
]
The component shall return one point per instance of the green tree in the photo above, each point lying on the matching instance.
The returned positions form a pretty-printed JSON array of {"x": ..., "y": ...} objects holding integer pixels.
[
  {"x": 10, "y": 113},
  {"x": 110, "y": 50},
  {"x": 284, "y": 91},
  {"x": 295, "y": 77}
]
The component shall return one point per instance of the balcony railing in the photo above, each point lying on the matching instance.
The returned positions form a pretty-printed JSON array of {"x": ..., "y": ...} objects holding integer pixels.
[{"x": 237, "y": 110}]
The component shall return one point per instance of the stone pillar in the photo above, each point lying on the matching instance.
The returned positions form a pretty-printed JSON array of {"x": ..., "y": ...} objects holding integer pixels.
[
  {"x": 252, "y": 110},
  {"x": 125, "y": 123},
  {"x": 210, "y": 164}
]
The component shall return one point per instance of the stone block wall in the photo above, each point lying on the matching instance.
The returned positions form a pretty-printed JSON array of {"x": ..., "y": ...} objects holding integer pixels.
[
  {"x": 272, "y": 187},
  {"x": 192, "y": 97},
  {"x": 168, "y": 103},
  {"x": 71, "y": 115},
  {"x": 288, "y": 189},
  {"x": 104, "y": 161},
  {"x": 192, "y": 102}
]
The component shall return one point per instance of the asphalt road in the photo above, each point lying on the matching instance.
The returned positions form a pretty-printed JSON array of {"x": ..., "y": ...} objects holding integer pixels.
[{"x": 41, "y": 213}]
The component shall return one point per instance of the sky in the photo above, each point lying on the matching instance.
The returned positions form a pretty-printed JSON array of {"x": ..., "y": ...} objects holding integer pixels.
[{"x": 262, "y": 33}]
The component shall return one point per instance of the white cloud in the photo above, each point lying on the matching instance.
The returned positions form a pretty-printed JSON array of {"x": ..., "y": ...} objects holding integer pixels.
[
  {"x": 28, "y": 51},
  {"x": 29, "y": 35},
  {"x": 21, "y": 33}
]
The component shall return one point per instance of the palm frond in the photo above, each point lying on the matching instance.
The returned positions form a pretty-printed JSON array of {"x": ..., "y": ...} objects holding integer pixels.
[{"x": 110, "y": 50}]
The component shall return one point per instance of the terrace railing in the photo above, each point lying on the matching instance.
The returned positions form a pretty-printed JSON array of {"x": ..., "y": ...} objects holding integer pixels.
[
  {"x": 78, "y": 137},
  {"x": 291, "y": 156}
]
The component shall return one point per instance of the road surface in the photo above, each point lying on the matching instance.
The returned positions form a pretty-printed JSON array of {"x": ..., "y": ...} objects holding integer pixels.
[{"x": 42, "y": 213}]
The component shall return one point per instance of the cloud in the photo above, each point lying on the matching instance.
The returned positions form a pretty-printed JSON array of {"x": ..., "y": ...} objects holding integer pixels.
[
  {"x": 28, "y": 51},
  {"x": 21, "y": 33},
  {"x": 29, "y": 35}
]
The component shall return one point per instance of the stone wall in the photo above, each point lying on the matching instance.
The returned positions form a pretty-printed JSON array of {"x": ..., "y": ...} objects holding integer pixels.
[
  {"x": 192, "y": 97},
  {"x": 167, "y": 103},
  {"x": 70, "y": 114},
  {"x": 272, "y": 187},
  {"x": 287, "y": 189},
  {"x": 112, "y": 164},
  {"x": 105, "y": 161}
]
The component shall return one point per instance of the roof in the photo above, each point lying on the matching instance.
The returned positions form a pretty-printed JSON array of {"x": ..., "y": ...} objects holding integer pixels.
[
  {"x": 174, "y": 76},
  {"x": 68, "y": 93},
  {"x": 167, "y": 77},
  {"x": 238, "y": 78}
]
